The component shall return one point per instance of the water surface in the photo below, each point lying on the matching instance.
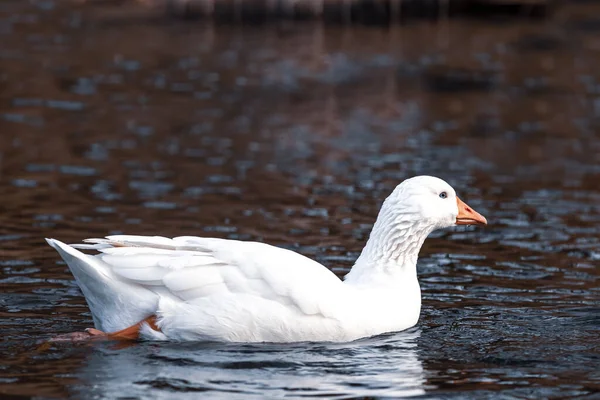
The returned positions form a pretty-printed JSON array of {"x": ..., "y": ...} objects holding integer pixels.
[{"x": 114, "y": 120}]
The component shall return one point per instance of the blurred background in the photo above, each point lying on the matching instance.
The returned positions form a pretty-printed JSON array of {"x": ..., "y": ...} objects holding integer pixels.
[{"x": 289, "y": 123}]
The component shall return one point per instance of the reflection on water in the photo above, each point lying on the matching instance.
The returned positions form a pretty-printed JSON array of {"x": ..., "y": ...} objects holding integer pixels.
[
  {"x": 115, "y": 121},
  {"x": 386, "y": 366}
]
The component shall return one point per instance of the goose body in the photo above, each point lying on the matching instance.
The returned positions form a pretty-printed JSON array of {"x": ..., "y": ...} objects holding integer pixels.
[{"x": 196, "y": 288}]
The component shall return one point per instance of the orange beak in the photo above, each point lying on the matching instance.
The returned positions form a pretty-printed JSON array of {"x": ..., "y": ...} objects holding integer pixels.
[{"x": 468, "y": 216}]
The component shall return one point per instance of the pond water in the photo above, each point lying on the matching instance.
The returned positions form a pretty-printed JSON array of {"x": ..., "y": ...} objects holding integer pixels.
[{"x": 115, "y": 119}]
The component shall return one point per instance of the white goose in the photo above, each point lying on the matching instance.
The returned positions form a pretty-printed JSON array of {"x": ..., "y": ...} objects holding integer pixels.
[{"x": 194, "y": 288}]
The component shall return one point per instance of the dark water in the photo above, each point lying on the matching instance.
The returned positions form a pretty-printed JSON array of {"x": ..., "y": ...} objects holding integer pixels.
[{"x": 113, "y": 120}]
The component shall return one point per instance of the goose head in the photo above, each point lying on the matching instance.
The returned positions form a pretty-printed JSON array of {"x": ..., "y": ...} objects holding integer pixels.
[
  {"x": 416, "y": 207},
  {"x": 432, "y": 203}
]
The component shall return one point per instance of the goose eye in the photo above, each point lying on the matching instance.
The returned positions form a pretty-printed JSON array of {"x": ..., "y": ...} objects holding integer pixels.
[{"x": 443, "y": 195}]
